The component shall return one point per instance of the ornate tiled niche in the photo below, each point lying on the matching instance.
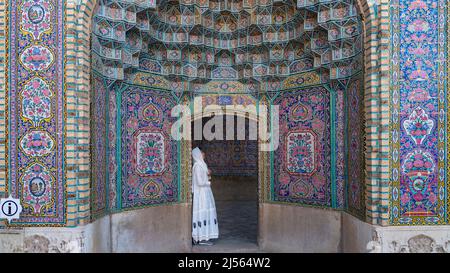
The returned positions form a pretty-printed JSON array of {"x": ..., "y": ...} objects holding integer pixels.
[{"x": 304, "y": 56}]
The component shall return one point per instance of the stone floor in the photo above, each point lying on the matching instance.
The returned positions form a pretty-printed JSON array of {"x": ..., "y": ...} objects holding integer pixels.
[{"x": 238, "y": 226}]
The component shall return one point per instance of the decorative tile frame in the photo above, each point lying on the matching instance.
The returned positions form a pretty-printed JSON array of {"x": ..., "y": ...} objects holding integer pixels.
[
  {"x": 36, "y": 63},
  {"x": 419, "y": 98}
]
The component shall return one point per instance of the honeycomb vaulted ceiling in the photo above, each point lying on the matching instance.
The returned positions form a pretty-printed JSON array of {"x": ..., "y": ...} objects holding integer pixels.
[{"x": 246, "y": 41}]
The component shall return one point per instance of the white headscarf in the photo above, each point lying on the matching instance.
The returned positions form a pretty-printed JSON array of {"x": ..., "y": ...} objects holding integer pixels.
[{"x": 198, "y": 158}]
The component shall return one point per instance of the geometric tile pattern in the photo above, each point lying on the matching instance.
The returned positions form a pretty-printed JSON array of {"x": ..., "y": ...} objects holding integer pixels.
[{"x": 256, "y": 42}]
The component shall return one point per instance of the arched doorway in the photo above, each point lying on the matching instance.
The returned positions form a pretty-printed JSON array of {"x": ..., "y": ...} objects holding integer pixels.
[{"x": 233, "y": 161}]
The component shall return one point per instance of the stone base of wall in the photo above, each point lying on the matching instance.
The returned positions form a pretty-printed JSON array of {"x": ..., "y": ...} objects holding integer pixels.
[
  {"x": 282, "y": 228},
  {"x": 358, "y": 236},
  {"x": 285, "y": 228},
  {"x": 355, "y": 234},
  {"x": 44, "y": 240},
  {"x": 154, "y": 229}
]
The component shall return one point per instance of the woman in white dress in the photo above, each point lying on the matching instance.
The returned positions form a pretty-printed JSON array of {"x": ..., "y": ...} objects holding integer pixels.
[{"x": 204, "y": 216}]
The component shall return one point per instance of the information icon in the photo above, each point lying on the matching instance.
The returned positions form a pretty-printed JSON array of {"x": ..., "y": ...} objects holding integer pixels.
[{"x": 10, "y": 208}]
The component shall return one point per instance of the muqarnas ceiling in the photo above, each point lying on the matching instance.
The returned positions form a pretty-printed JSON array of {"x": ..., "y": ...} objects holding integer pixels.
[{"x": 251, "y": 41}]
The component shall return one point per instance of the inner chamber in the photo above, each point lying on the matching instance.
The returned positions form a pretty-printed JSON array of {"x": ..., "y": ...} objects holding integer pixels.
[{"x": 234, "y": 181}]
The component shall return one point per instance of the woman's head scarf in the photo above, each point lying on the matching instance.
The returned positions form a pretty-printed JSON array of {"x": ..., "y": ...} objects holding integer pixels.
[{"x": 198, "y": 158}]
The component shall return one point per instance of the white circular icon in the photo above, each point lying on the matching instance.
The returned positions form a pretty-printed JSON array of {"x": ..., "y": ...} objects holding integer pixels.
[{"x": 10, "y": 208}]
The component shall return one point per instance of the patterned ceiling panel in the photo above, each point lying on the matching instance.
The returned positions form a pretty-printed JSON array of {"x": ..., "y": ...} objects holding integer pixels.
[{"x": 247, "y": 41}]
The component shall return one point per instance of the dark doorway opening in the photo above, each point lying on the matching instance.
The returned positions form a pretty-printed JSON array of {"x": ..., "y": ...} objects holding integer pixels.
[{"x": 234, "y": 182}]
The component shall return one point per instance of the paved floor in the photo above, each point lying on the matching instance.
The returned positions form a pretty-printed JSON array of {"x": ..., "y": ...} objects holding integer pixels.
[{"x": 237, "y": 228}]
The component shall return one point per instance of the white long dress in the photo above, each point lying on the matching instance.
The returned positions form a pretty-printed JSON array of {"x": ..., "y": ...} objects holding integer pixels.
[{"x": 204, "y": 216}]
